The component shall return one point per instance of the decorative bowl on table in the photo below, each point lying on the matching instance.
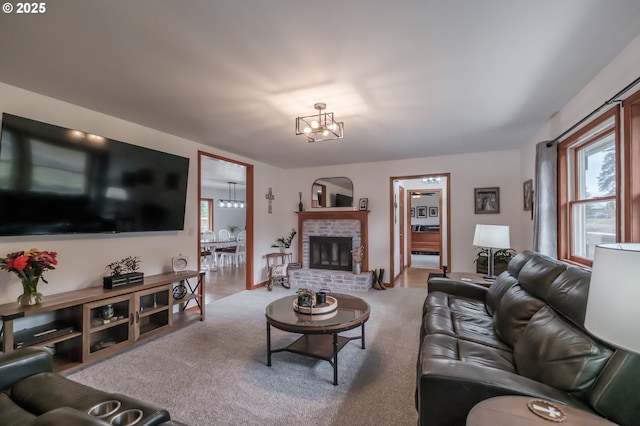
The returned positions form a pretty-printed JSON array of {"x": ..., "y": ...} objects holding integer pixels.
[{"x": 324, "y": 308}]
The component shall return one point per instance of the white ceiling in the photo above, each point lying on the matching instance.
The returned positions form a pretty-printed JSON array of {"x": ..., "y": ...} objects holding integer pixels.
[
  {"x": 408, "y": 78},
  {"x": 217, "y": 174}
]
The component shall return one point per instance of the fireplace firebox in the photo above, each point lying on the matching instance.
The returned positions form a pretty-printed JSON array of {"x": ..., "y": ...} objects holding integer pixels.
[{"x": 330, "y": 253}]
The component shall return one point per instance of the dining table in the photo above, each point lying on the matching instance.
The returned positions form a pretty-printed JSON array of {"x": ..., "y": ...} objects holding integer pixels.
[{"x": 213, "y": 247}]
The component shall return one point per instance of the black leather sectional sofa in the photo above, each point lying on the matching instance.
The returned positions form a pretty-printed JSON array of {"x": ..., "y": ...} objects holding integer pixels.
[
  {"x": 31, "y": 395},
  {"x": 525, "y": 336}
]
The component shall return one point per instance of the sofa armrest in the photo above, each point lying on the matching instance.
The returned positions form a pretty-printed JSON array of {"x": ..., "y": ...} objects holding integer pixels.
[
  {"x": 457, "y": 287},
  {"x": 448, "y": 390},
  {"x": 23, "y": 363},
  {"x": 67, "y": 416}
]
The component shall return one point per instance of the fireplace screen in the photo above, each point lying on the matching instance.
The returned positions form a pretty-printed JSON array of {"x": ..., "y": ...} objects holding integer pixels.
[{"x": 330, "y": 253}]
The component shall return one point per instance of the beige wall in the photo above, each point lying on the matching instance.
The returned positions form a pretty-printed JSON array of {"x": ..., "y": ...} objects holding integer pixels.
[
  {"x": 82, "y": 258},
  {"x": 371, "y": 180}
]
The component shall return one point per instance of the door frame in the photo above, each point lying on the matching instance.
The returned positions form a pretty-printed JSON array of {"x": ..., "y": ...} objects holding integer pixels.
[
  {"x": 393, "y": 206},
  {"x": 409, "y": 236},
  {"x": 402, "y": 223},
  {"x": 249, "y": 212}
]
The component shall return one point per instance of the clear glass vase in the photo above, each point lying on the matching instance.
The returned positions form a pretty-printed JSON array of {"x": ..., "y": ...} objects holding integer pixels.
[{"x": 30, "y": 295}]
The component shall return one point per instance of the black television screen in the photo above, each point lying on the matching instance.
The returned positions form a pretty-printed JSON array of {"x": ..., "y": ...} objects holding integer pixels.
[{"x": 55, "y": 180}]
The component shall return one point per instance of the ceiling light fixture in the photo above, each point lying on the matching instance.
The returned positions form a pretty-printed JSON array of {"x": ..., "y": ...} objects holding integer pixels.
[
  {"x": 319, "y": 127},
  {"x": 426, "y": 180},
  {"x": 231, "y": 203}
]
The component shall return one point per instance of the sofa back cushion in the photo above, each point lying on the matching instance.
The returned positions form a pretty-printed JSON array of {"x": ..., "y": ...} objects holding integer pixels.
[
  {"x": 513, "y": 313},
  {"x": 497, "y": 290},
  {"x": 553, "y": 351},
  {"x": 538, "y": 274},
  {"x": 568, "y": 294}
]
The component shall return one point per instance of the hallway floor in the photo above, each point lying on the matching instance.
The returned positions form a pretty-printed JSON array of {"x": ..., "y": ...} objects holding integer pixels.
[{"x": 224, "y": 282}]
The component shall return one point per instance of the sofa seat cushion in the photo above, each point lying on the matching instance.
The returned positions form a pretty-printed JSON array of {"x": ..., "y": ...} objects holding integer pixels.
[
  {"x": 555, "y": 352},
  {"x": 460, "y": 303},
  {"x": 471, "y": 353},
  {"x": 472, "y": 325},
  {"x": 47, "y": 391},
  {"x": 12, "y": 413}
]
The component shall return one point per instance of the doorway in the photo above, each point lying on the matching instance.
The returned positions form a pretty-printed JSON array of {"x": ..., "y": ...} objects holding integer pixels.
[
  {"x": 420, "y": 224},
  {"x": 221, "y": 180}
]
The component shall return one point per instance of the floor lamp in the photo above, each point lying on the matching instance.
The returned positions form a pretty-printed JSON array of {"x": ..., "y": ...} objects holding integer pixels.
[{"x": 492, "y": 237}]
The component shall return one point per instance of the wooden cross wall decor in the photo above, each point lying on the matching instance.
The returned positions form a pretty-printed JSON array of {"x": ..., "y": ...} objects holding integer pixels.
[{"x": 269, "y": 196}]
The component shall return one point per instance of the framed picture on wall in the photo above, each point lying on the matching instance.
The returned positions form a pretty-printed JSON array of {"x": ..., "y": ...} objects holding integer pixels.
[
  {"x": 433, "y": 212},
  {"x": 487, "y": 200},
  {"x": 422, "y": 211},
  {"x": 413, "y": 212},
  {"x": 527, "y": 194}
]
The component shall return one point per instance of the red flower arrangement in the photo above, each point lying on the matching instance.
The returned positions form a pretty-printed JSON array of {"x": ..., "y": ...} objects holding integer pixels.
[{"x": 29, "y": 265}]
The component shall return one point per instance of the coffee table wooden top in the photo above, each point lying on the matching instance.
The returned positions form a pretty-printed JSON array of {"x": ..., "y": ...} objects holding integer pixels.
[{"x": 351, "y": 312}]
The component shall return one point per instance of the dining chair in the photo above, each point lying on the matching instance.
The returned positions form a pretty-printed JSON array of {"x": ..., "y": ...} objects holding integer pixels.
[
  {"x": 235, "y": 255},
  {"x": 208, "y": 257},
  {"x": 224, "y": 235}
]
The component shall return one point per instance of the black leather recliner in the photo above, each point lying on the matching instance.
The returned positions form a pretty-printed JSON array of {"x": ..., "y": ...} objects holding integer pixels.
[{"x": 31, "y": 394}]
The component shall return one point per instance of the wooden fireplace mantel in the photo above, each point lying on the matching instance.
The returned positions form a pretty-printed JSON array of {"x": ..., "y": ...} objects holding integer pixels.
[{"x": 360, "y": 215}]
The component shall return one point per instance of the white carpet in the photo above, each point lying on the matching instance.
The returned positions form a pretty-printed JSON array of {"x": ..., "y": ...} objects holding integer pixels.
[{"x": 215, "y": 372}]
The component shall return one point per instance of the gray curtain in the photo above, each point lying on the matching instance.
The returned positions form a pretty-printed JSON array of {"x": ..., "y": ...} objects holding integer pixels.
[{"x": 545, "y": 205}]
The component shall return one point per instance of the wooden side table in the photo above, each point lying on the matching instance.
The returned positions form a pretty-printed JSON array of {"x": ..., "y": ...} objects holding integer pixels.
[
  {"x": 470, "y": 277},
  {"x": 513, "y": 410}
]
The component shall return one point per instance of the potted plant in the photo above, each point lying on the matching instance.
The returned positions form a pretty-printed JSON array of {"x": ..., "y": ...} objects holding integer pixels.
[
  {"x": 123, "y": 272},
  {"x": 233, "y": 229},
  {"x": 501, "y": 259},
  {"x": 284, "y": 243}
]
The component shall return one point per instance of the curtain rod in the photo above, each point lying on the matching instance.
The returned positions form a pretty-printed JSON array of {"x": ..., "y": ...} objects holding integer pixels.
[{"x": 613, "y": 99}]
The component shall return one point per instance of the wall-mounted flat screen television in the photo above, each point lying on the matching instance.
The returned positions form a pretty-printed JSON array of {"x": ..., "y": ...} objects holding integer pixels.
[{"x": 55, "y": 180}]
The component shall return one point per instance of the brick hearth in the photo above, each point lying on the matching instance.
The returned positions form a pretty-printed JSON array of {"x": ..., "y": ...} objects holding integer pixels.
[{"x": 337, "y": 281}]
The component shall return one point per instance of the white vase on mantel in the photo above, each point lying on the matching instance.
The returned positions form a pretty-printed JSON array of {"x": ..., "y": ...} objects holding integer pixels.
[{"x": 357, "y": 268}]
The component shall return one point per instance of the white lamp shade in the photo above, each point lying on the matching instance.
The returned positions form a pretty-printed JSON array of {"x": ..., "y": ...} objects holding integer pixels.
[
  {"x": 612, "y": 308},
  {"x": 493, "y": 236}
]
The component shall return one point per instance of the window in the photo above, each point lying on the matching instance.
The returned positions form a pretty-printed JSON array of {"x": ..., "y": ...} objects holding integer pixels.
[
  {"x": 589, "y": 190},
  {"x": 206, "y": 214}
]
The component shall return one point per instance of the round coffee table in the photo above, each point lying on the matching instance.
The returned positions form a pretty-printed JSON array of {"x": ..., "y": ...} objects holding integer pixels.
[{"x": 320, "y": 338}]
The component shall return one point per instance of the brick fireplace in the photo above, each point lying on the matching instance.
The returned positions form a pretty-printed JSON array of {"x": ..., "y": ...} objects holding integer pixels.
[
  {"x": 332, "y": 253},
  {"x": 338, "y": 225}
]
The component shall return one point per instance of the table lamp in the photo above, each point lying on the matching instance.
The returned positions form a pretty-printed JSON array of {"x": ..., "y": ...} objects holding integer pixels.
[
  {"x": 612, "y": 307},
  {"x": 492, "y": 237}
]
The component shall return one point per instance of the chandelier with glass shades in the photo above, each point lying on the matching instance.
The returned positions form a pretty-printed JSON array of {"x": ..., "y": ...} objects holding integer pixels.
[
  {"x": 231, "y": 203},
  {"x": 321, "y": 126}
]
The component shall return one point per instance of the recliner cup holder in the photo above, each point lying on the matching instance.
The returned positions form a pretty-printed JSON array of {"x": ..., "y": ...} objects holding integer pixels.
[
  {"x": 104, "y": 409},
  {"x": 127, "y": 417}
]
